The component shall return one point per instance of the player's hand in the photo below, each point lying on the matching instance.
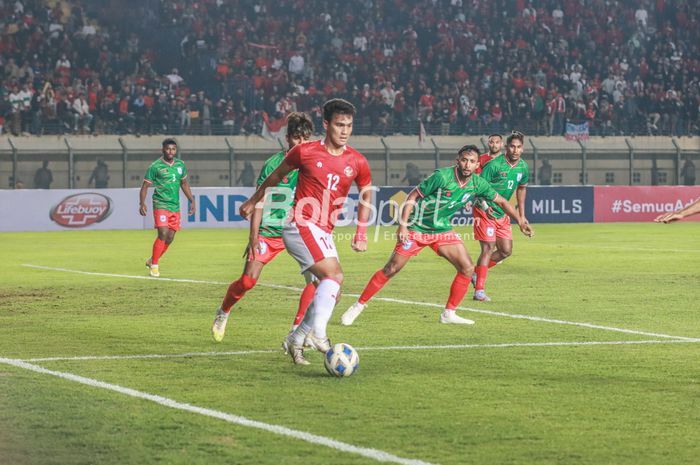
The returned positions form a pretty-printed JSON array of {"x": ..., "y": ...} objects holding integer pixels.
[
  {"x": 252, "y": 249},
  {"x": 667, "y": 218},
  {"x": 359, "y": 243},
  {"x": 143, "y": 209},
  {"x": 246, "y": 209},
  {"x": 526, "y": 229},
  {"x": 192, "y": 209},
  {"x": 490, "y": 214}
]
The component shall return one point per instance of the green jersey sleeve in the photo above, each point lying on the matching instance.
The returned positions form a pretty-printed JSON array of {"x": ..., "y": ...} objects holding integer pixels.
[
  {"x": 484, "y": 189},
  {"x": 431, "y": 184},
  {"x": 151, "y": 173},
  {"x": 269, "y": 166}
]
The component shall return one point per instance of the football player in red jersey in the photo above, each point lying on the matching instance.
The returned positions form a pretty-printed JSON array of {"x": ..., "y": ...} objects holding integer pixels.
[{"x": 327, "y": 169}]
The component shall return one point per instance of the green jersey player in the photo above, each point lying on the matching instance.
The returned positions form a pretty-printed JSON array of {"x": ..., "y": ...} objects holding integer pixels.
[
  {"x": 426, "y": 220},
  {"x": 265, "y": 239},
  {"x": 167, "y": 175},
  {"x": 507, "y": 174}
]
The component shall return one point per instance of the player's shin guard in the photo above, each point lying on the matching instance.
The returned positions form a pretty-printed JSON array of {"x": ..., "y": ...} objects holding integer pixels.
[
  {"x": 236, "y": 291},
  {"x": 481, "y": 272},
  {"x": 307, "y": 296},
  {"x": 324, "y": 302},
  {"x": 459, "y": 288},
  {"x": 159, "y": 248},
  {"x": 375, "y": 284}
]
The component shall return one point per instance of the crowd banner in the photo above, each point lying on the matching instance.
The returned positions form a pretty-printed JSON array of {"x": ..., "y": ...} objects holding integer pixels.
[
  {"x": 641, "y": 203},
  {"x": 559, "y": 204}
]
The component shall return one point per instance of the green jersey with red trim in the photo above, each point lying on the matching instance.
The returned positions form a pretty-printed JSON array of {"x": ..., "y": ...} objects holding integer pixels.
[
  {"x": 505, "y": 179},
  {"x": 443, "y": 195},
  {"x": 166, "y": 179},
  {"x": 274, "y": 218}
]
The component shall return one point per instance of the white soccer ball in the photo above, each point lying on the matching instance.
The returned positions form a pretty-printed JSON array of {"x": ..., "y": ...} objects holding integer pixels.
[{"x": 342, "y": 360}]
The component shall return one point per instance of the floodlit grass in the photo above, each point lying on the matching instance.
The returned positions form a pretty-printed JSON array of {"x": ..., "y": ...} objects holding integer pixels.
[{"x": 476, "y": 404}]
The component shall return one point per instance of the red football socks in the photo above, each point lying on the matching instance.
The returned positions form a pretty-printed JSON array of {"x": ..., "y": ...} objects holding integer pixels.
[
  {"x": 492, "y": 263},
  {"x": 460, "y": 286},
  {"x": 481, "y": 272},
  {"x": 307, "y": 296},
  {"x": 379, "y": 279},
  {"x": 159, "y": 248},
  {"x": 236, "y": 291}
]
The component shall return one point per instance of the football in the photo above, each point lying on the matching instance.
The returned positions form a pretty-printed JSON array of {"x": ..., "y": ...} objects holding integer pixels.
[{"x": 342, "y": 360}]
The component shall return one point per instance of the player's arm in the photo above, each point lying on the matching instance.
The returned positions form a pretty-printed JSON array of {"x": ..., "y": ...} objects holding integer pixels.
[
  {"x": 142, "y": 197},
  {"x": 508, "y": 208},
  {"x": 359, "y": 239},
  {"x": 273, "y": 179},
  {"x": 406, "y": 210},
  {"x": 520, "y": 194},
  {"x": 692, "y": 209},
  {"x": 253, "y": 237},
  {"x": 185, "y": 186}
]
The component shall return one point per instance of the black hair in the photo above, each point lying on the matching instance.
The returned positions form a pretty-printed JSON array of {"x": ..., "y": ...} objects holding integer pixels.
[
  {"x": 516, "y": 135},
  {"x": 468, "y": 148},
  {"x": 494, "y": 135},
  {"x": 169, "y": 141},
  {"x": 337, "y": 105},
  {"x": 299, "y": 125}
]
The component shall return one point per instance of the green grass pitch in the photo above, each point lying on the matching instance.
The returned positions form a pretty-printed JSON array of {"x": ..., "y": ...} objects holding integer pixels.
[{"x": 534, "y": 389}]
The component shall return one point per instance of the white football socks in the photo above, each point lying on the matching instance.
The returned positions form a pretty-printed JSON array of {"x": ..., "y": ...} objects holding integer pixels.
[{"x": 324, "y": 302}]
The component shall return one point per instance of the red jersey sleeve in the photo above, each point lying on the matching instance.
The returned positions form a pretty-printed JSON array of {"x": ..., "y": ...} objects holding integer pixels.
[
  {"x": 364, "y": 174},
  {"x": 293, "y": 157}
]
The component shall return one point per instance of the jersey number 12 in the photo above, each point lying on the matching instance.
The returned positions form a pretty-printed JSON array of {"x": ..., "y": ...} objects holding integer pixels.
[{"x": 333, "y": 180}]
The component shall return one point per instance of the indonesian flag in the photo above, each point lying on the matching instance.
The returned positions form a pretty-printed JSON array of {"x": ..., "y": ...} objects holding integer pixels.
[
  {"x": 422, "y": 134},
  {"x": 274, "y": 129}
]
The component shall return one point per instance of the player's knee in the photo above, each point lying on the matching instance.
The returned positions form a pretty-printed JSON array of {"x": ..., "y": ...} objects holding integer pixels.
[
  {"x": 466, "y": 269},
  {"x": 390, "y": 269},
  {"x": 505, "y": 253}
]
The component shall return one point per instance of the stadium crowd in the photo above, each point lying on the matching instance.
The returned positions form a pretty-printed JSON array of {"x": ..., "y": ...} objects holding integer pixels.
[{"x": 458, "y": 66}]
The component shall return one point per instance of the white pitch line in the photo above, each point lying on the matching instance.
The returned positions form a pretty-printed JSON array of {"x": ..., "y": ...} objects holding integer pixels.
[
  {"x": 373, "y": 454},
  {"x": 378, "y": 348},
  {"x": 388, "y": 299}
]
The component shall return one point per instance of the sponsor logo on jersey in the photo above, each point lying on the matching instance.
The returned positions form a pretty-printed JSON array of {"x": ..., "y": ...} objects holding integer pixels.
[
  {"x": 348, "y": 171},
  {"x": 520, "y": 176},
  {"x": 80, "y": 210},
  {"x": 179, "y": 170},
  {"x": 407, "y": 245},
  {"x": 319, "y": 165}
]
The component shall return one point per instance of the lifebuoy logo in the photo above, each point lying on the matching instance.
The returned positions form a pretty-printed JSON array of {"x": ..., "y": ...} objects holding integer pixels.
[{"x": 80, "y": 210}]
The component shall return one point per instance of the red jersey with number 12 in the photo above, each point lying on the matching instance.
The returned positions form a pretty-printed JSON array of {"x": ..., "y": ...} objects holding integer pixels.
[{"x": 324, "y": 181}]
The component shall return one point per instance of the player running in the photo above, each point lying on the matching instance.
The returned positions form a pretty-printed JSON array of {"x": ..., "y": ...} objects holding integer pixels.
[
  {"x": 426, "y": 220},
  {"x": 507, "y": 174},
  {"x": 167, "y": 175},
  {"x": 495, "y": 143},
  {"x": 265, "y": 239},
  {"x": 327, "y": 169}
]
